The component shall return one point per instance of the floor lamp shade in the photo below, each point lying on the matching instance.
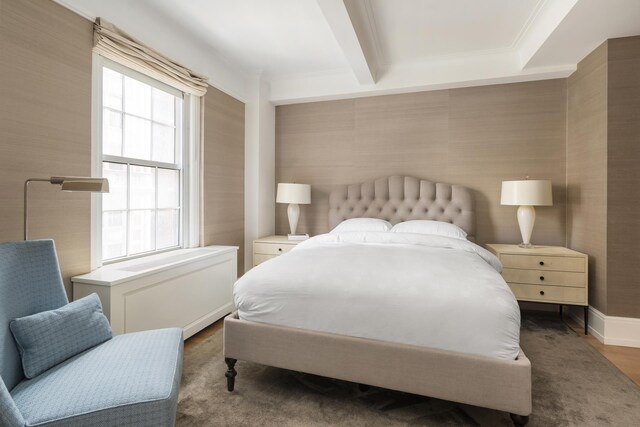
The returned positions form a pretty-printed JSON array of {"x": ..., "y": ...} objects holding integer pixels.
[
  {"x": 66, "y": 183},
  {"x": 526, "y": 194},
  {"x": 294, "y": 194}
]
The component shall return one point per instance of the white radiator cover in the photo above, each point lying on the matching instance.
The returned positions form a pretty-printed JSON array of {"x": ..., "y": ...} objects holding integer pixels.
[{"x": 186, "y": 288}]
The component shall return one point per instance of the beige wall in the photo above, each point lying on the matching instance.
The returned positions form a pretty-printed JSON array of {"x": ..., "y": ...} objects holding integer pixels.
[
  {"x": 603, "y": 173},
  {"x": 475, "y": 137},
  {"x": 223, "y": 172},
  {"x": 587, "y": 169},
  {"x": 623, "y": 183},
  {"x": 45, "y": 124}
]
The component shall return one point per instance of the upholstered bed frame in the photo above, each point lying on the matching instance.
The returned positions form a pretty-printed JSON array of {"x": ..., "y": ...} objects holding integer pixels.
[{"x": 499, "y": 384}]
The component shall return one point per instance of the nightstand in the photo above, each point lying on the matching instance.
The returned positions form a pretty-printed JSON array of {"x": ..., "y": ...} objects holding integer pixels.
[
  {"x": 270, "y": 247},
  {"x": 546, "y": 274}
]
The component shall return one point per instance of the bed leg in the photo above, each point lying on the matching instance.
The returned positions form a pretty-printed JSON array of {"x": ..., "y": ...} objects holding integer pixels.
[
  {"x": 231, "y": 373},
  {"x": 364, "y": 388},
  {"x": 519, "y": 420}
]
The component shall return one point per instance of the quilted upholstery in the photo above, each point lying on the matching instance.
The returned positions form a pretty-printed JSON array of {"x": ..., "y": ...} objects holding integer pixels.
[
  {"x": 403, "y": 198},
  {"x": 50, "y": 337},
  {"x": 30, "y": 282},
  {"x": 132, "y": 379}
]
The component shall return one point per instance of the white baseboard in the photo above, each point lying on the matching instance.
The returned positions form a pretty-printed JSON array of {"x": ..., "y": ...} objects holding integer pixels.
[
  {"x": 195, "y": 327},
  {"x": 610, "y": 330}
]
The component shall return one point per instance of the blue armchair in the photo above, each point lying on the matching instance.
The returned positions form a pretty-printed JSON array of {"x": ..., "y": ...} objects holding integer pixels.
[{"x": 129, "y": 380}]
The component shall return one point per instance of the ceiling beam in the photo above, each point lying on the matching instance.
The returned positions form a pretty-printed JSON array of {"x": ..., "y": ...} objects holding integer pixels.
[
  {"x": 547, "y": 19},
  {"x": 351, "y": 42}
]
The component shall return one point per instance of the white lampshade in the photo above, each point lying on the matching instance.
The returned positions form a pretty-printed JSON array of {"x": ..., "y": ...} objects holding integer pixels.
[
  {"x": 526, "y": 193},
  {"x": 294, "y": 193}
]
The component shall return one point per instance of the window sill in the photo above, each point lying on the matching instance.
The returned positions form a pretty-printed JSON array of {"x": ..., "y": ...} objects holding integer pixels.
[{"x": 123, "y": 271}]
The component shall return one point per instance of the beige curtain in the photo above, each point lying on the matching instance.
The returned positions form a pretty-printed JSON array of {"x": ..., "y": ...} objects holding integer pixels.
[{"x": 110, "y": 42}]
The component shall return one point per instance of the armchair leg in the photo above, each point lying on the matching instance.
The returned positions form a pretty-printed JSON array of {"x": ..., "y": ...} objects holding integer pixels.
[
  {"x": 519, "y": 420},
  {"x": 231, "y": 373}
]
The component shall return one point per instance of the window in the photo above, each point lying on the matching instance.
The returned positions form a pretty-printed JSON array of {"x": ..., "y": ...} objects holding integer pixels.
[{"x": 141, "y": 153}]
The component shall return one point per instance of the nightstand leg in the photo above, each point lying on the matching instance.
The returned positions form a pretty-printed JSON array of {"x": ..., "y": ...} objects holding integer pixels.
[
  {"x": 586, "y": 320},
  {"x": 560, "y": 311}
]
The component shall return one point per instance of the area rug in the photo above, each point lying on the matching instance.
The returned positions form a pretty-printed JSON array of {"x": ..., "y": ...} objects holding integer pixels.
[{"x": 573, "y": 385}]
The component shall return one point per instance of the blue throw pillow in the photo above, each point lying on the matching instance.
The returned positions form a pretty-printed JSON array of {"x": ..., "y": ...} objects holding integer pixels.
[{"x": 51, "y": 337}]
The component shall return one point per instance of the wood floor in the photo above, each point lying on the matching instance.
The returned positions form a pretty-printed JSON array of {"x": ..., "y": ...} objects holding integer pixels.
[
  {"x": 196, "y": 339},
  {"x": 626, "y": 359}
]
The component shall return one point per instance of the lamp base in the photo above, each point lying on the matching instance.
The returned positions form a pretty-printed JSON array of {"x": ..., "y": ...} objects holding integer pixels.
[
  {"x": 293, "y": 212},
  {"x": 526, "y": 219},
  {"x": 526, "y": 245}
]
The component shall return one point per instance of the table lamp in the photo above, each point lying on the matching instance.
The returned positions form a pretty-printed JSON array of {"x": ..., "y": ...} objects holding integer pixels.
[
  {"x": 294, "y": 194},
  {"x": 66, "y": 183},
  {"x": 526, "y": 194}
]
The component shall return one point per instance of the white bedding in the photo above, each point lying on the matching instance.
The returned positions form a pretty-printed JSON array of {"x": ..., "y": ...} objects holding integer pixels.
[{"x": 424, "y": 290}]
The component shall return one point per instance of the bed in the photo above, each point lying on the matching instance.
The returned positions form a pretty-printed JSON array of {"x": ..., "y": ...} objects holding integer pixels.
[{"x": 448, "y": 326}]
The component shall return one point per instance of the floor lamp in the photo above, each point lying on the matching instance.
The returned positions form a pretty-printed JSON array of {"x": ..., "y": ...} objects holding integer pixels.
[{"x": 66, "y": 183}]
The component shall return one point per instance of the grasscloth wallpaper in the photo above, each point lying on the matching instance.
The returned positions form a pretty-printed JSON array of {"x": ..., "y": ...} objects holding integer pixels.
[
  {"x": 623, "y": 183},
  {"x": 223, "y": 172},
  {"x": 587, "y": 169},
  {"x": 603, "y": 176},
  {"x": 45, "y": 124},
  {"x": 475, "y": 137}
]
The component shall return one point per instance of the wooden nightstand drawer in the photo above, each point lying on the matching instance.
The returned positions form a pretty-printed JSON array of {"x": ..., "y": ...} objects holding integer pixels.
[
  {"x": 548, "y": 274},
  {"x": 271, "y": 248},
  {"x": 554, "y": 294},
  {"x": 555, "y": 278},
  {"x": 260, "y": 258},
  {"x": 541, "y": 262}
]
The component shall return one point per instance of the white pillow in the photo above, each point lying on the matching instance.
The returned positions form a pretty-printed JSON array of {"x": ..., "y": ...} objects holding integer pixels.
[
  {"x": 426, "y": 226},
  {"x": 362, "y": 224}
]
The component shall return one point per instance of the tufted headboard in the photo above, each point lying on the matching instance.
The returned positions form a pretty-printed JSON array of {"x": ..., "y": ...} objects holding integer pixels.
[{"x": 403, "y": 198}]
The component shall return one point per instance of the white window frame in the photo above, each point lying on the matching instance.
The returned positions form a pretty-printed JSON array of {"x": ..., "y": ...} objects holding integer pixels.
[{"x": 189, "y": 159}]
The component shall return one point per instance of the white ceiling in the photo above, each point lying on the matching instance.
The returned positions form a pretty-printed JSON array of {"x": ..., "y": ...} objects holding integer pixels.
[
  {"x": 586, "y": 27},
  {"x": 418, "y": 30},
  {"x": 273, "y": 37},
  {"x": 325, "y": 49}
]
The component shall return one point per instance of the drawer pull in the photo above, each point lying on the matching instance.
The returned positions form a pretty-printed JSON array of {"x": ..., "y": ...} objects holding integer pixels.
[
  {"x": 541, "y": 292},
  {"x": 279, "y": 249},
  {"x": 542, "y": 278},
  {"x": 541, "y": 262}
]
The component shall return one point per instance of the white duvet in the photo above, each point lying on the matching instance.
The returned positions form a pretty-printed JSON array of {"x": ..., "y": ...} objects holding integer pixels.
[{"x": 424, "y": 290}]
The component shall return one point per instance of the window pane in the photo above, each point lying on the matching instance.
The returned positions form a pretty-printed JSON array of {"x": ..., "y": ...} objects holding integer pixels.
[
  {"x": 168, "y": 188},
  {"x": 116, "y": 198},
  {"x": 142, "y": 187},
  {"x": 114, "y": 234},
  {"x": 137, "y": 138},
  {"x": 142, "y": 230},
  {"x": 163, "y": 107},
  {"x": 137, "y": 98},
  {"x": 112, "y": 132},
  {"x": 141, "y": 213},
  {"x": 163, "y": 145},
  {"x": 111, "y": 89},
  {"x": 168, "y": 226}
]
